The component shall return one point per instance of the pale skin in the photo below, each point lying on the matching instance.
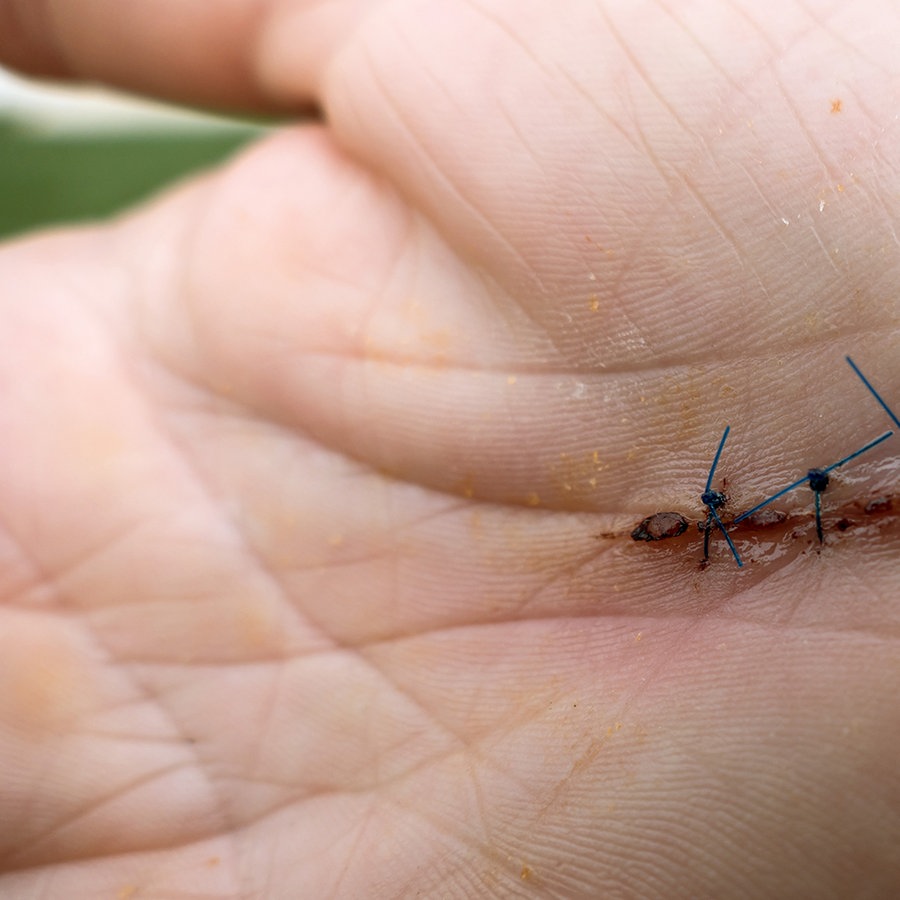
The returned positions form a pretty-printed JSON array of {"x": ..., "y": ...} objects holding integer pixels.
[{"x": 306, "y": 464}]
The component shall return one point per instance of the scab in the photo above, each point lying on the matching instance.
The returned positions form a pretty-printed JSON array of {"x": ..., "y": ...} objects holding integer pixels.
[{"x": 660, "y": 526}]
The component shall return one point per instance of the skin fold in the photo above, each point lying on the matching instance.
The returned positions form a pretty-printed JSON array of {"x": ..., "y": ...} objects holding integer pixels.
[{"x": 318, "y": 471}]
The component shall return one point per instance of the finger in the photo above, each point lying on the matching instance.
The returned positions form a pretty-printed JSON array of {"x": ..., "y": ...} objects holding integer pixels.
[
  {"x": 607, "y": 165},
  {"x": 189, "y": 51}
]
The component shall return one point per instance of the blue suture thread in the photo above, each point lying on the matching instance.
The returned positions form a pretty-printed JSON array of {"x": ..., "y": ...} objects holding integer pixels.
[
  {"x": 772, "y": 499},
  {"x": 818, "y": 483},
  {"x": 715, "y": 462},
  {"x": 819, "y": 533},
  {"x": 873, "y": 392},
  {"x": 817, "y": 479},
  {"x": 727, "y": 536},
  {"x": 712, "y": 500},
  {"x": 863, "y": 449}
]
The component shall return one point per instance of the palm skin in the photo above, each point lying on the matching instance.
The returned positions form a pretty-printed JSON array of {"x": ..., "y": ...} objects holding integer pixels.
[{"x": 319, "y": 470}]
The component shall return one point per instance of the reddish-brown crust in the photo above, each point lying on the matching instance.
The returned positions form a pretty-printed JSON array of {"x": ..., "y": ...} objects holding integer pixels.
[
  {"x": 660, "y": 526},
  {"x": 852, "y": 515}
]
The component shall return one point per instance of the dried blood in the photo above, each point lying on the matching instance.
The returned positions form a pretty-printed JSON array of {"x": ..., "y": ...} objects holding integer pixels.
[{"x": 660, "y": 526}]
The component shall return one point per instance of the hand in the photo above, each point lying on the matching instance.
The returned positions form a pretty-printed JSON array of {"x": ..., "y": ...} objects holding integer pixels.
[{"x": 318, "y": 472}]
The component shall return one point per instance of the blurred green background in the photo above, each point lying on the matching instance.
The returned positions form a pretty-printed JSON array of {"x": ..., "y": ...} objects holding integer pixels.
[{"x": 56, "y": 178}]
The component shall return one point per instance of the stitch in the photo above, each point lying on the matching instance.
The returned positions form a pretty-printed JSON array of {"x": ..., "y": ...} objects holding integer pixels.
[
  {"x": 873, "y": 392},
  {"x": 818, "y": 480},
  {"x": 714, "y": 500}
]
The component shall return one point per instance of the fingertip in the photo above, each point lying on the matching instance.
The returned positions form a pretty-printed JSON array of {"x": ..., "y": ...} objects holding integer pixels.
[
  {"x": 185, "y": 51},
  {"x": 25, "y": 40}
]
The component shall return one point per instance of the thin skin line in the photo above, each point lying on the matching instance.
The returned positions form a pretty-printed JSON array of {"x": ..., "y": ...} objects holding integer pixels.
[
  {"x": 873, "y": 392},
  {"x": 805, "y": 478}
]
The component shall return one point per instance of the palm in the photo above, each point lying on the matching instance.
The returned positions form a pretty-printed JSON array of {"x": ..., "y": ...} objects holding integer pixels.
[{"x": 306, "y": 467}]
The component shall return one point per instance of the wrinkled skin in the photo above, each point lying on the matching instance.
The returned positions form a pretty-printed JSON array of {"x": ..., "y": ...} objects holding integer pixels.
[{"x": 307, "y": 465}]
